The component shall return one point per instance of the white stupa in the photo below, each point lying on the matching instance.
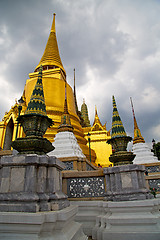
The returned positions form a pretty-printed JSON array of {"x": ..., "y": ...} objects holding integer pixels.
[
  {"x": 65, "y": 143},
  {"x": 140, "y": 148}
]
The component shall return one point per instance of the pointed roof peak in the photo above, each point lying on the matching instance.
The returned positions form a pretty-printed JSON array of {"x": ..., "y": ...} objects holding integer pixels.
[
  {"x": 84, "y": 112},
  {"x": 36, "y": 104},
  {"x": 53, "y": 28},
  {"x": 74, "y": 80},
  {"x": 117, "y": 126},
  {"x": 114, "y": 101},
  {"x": 51, "y": 57},
  {"x": 65, "y": 118},
  {"x": 137, "y": 133},
  {"x": 97, "y": 120},
  {"x": 96, "y": 114},
  {"x": 74, "y": 92},
  {"x": 65, "y": 101}
]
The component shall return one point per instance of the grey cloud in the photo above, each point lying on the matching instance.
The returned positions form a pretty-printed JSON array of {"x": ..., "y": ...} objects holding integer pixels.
[{"x": 90, "y": 36}]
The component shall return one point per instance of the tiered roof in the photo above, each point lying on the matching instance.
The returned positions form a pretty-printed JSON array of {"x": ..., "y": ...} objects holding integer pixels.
[
  {"x": 117, "y": 126},
  {"x": 97, "y": 125},
  {"x": 36, "y": 104}
]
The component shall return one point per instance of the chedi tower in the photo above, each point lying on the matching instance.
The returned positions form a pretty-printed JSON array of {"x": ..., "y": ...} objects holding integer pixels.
[
  {"x": 140, "y": 148},
  {"x": 54, "y": 80}
]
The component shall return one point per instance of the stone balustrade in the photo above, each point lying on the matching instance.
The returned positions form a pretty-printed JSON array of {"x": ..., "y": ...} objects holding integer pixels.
[
  {"x": 84, "y": 184},
  {"x": 31, "y": 183}
]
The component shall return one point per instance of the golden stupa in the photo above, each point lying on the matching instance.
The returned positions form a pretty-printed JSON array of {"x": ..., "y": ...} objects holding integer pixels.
[{"x": 54, "y": 79}]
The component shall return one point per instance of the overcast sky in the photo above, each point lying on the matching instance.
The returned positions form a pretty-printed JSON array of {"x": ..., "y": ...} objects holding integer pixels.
[{"x": 114, "y": 45}]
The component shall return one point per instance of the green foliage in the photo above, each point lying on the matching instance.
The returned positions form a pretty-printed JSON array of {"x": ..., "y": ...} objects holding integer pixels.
[
  {"x": 156, "y": 150},
  {"x": 154, "y": 191}
]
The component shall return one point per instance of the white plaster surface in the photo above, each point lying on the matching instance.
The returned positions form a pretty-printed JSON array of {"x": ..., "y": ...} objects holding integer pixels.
[
  {"x": 57, "y": 225},
  {"x": 66, "y": 145},
  {"x": 143, "y": 154},
  {"x": 127, "y": 220}
]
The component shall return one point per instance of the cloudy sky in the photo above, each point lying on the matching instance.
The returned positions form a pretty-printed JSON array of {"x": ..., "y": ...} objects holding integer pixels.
[{"x": 114, "y": 45}]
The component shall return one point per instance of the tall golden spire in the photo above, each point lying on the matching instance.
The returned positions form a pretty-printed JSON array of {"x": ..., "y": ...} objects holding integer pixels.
[
  {"x": 51, "y": 58},
  {"x": 137, "y": 133}
]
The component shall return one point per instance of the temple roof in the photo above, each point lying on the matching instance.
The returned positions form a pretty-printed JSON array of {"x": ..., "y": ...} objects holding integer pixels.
[
  {"x": 36, "y": 104},
  {"x": 137, "y": 133},
  {"x": 117, "y": 126},
  {"x": 51, "y": 57},
  {"x": 97, "y": 125}
]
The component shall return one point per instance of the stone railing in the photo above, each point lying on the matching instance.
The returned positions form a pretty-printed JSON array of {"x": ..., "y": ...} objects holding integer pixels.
[
  {"x": 153, "y": 175},
  {"x": 152, "y": 168},
  {"x": 91, "y": 185},
  {"x": 77, "y": 163},
  {"x": 88, "y": 185}
]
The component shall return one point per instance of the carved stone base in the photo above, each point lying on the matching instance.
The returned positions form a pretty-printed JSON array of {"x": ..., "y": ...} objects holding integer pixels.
[
  {"x": 31, "y": 183},
  {"x": 121, "y": 158},
  {"x": 126, "y": 183},
  {"x": 32, "y": 145}
]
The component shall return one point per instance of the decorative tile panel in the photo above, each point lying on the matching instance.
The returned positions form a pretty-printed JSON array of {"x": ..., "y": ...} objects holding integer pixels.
[
  {"x": 152, "y": 169},
  {"x": 86, "y": 187},
  {"x": 69, "y": 165}
]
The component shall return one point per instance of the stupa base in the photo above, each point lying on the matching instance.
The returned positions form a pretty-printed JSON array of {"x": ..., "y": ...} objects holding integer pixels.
[
  {"x": 126, "y": 183},
  {"x": 32, "y": 145},
  {"x": 31, "y": 183},
  {"x": 122, "y": 158},
  {"x": 44, "y": 225}
]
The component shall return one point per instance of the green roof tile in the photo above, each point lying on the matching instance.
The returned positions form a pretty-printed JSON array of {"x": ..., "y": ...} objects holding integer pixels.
[
  {"x": 117, "y": 126},
  {"x": 37, "y": 102}
]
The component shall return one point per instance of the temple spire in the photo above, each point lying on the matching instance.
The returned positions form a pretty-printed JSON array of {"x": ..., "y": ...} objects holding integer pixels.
[
  {"x": 137, "y": 133},
  {"x": 97, "y": 125},
  {"x": 117, "y": 126},
  {"x": 51, "y": 58},
  {"x": 96, "y": 114},
  {"x": 96, "y": 118},
  {"x": 65, "y": 101},
  {"x": 37, "y": 102},
  {"x": 65, "y": 118},
  {"x": 75, "y": 99},
  {"x": 53, "y": 28},
  {"x": 84, "y": 112}
]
